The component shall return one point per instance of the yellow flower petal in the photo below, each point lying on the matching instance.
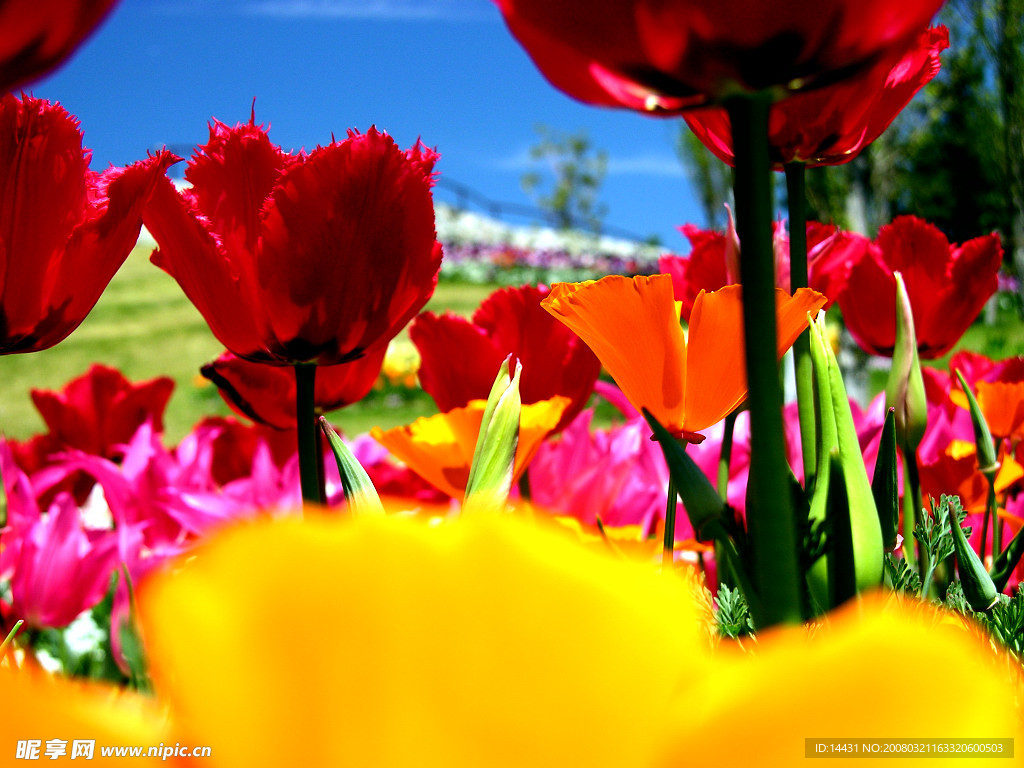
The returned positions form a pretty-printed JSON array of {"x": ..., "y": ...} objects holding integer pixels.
[
  {"x": 37, "y": 705},
  {"x": 388, "y": 642},
  {"x": 440, "y": 448},
  {"x": 844, "y": 682}
]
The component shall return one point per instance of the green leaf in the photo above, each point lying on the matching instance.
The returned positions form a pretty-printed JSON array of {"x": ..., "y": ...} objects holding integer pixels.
[
  {"x": 1007, "y": 561},
  {"x": 360, "y": 494},
  {"x": 10, "y": 637},
  {"x": 490, "y": 476},
  {"x": 884, "y": 483},
  {"x": 704, "y": 507},
  {"x": 842, "y": 572}
]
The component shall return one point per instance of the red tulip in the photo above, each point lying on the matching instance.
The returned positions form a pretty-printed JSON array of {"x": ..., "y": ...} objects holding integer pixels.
[
  {"x": 459, "y": 358},
  {"x": 301, "y": 258},
  {"x": 100, "y": 411},
  {"x": 266, "y": 393},
  {"x": 947, "y": 284},
  {"x": 669, "y": 55},
  {"x": 831, "y": 125},
  {"x": 713, "y": 262},
  {"x": 39, "y": 34},
  {"x": 64, "y": 230}
]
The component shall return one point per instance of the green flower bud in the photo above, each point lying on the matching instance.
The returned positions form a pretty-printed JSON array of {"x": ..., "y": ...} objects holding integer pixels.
[
  {"x": 904, "y": 389},
  {"x": 490, "y": 476}
]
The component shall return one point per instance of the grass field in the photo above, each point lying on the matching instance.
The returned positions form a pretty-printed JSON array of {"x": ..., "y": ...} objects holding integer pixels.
[{"x": 144, "y": 326}]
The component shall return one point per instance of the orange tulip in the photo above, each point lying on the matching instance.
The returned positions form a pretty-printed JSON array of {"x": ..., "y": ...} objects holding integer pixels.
[
  {"x": 633, "y": 327},
  {"x": 440, "y": 448}
]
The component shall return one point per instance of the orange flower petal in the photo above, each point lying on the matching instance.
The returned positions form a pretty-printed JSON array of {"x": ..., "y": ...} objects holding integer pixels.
[
  {"x": 1003, "y": 406},
  {"x": 440, "y": 448},
  {"x": 632, "y": 325},
  {"x": 715, "y": 358},
  {"x": 436, "y": 447}
]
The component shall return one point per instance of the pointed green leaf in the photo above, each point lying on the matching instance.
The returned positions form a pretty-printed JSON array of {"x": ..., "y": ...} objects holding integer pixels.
[
  {"x": 885, "y": 484},
  {"x": 490, "y": 476},
  {"x": 842, "y": 571},
  {"x": 1007, "y": 561},
  {"x": 704, "y": 507},
  {"x": 10, "y": 637},
  {"x": 360, "y": 494}
]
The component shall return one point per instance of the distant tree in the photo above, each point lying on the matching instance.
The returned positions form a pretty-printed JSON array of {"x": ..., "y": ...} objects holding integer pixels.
[{"x": 570, "y": 189}]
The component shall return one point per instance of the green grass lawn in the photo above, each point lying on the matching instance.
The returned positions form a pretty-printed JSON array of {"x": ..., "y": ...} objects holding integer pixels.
[{"x": 144, "y": 326}]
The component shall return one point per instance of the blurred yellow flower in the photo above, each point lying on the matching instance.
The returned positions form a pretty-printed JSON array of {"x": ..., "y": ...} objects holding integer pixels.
[{"x": 494, "y": 641}]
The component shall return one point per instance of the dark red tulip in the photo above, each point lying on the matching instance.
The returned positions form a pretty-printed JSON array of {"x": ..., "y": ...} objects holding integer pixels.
[
  {"x": 713, "y": 262},
  {"x": 831, "y": 125},
  {"x": 669, "y": 55},
  {"x": 301, "y": 258},
  {"x": 266, "y": 393},
  {"x": 947, "y": 284},
  {"x": 460, "y": 359},
  {"x": 39, "y": 34},
  {"x": 101, "y": 410},
  {"x": 64, "y": 230}
]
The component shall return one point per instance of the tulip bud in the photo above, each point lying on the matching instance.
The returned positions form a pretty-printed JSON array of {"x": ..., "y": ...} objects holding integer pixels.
[
  {"x": 360, "y": 494},
  {"x": 979, "y": 589},
  {"x": 837, "y": 432},
  {"x": 904, "y": 390},
  {"x": 988, "y": 463},
  {"x": 490, "y": 476}
]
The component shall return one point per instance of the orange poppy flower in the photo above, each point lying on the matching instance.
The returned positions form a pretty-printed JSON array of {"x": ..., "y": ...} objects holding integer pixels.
[
  {"x": 440, "y": 448},
  {"x": 632, "y": 324},
  {"x": 1002, "y": 404}
]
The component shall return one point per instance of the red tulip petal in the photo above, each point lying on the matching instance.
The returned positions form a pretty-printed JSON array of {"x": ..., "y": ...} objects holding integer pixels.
[
  {"x": 221, "y": 292},
  {"x": 458, "y": 362},
  {"x": 348, "y": 254}
]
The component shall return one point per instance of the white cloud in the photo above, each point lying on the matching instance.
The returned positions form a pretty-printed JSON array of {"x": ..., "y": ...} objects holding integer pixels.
[
  {"x": 650, "y": 164},
  {"x": 368, "y": 9}
]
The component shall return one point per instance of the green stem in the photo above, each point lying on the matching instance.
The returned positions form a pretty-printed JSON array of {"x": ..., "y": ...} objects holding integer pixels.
[
  {"x": 725, "y": 456},
  {"x": 722, "y": 564},
  {"x": 770, "y": 519},
  {"x": 668, "y": 552},
  {"x": 798, "y": 277},
  {"x": 305, "y": 415},
  {"x": 911, "y": 504},
  {"x": 991, "y": 510}
]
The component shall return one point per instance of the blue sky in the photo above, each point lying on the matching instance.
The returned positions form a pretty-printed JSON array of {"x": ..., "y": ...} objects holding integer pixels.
[{"x": 444, "y": 70}]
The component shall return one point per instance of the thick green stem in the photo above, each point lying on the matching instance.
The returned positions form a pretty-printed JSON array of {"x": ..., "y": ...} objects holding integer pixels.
[
  {"x": 770, "y": 519},
  {"x": 668, "y": 552},
  {"x": 305, "y": 416},
  {"x": 992, "y": 511},
  {"x": 725, "y": 456},
  {"x": 802, "y": 367}
]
